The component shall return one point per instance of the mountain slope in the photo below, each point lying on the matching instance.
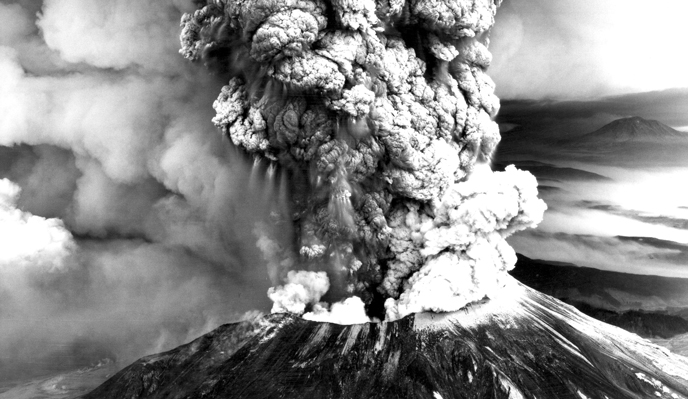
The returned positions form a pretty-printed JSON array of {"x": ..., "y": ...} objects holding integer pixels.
[
  {"x": 628, "y": 142},
  {"x": 645, "y": 324},
  {"x": 521, "y": 345},
  {"x": 601, "y": 288}
]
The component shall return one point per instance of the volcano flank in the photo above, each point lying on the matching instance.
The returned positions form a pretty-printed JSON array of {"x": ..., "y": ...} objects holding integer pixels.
[{"x": 526, "y": 346}]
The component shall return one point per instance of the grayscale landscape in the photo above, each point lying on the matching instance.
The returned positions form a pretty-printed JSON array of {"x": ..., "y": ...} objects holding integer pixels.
[{"x": 343, "y": 199}]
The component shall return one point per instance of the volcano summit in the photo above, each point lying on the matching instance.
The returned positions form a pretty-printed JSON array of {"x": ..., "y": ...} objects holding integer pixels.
[{"x": 525, "y": 346}]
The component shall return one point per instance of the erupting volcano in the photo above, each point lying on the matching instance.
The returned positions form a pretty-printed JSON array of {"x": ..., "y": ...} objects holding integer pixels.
[{"x": 377, "y": 116}]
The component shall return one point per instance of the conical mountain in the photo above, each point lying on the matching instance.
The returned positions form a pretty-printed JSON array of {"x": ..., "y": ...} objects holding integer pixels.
[
  {"x": 523, "y": 344},
  {"x": 627, "y": 142},
  {"x": 634, "y": 129}
]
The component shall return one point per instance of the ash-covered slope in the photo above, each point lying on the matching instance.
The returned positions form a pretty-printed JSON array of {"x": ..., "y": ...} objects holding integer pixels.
[
  {"x": 602, "y": 288},
  {"x": 650, "y": 306},
  {"x": 521, "y": 345}
]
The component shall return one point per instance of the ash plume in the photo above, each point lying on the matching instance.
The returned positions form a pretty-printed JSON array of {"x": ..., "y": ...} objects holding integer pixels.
[{"x": 380, "y": 115}]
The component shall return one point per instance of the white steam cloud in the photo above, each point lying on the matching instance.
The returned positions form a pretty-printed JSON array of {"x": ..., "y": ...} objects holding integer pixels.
[
  {"x": 302, "y": 288},
  {"x": 588, "y": 220},
  {"x": 349, "y": 311},
  {"x": 461, "y": 255},
  {"x": 28, "y": 241}
]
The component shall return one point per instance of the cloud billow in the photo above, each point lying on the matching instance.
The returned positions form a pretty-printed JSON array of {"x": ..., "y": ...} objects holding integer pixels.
[
  {"x": 107, "y": 131},
  {"x": 380, "y": 114}
]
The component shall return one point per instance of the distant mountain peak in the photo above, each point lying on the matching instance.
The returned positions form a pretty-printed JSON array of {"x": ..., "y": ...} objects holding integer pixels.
[{"x": 635, "y": 129}]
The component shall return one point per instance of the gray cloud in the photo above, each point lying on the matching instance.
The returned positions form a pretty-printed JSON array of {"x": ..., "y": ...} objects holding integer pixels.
[{"x": 104, "y": 126}]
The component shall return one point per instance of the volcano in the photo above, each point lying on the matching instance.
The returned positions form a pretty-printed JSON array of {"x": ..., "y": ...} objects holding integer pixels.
[
  {"x": 634, "y": 129},
  {"x": 627, "y": 133},
  {"x": 628, "y": 141},
  {"x": 523, "y": 344}
]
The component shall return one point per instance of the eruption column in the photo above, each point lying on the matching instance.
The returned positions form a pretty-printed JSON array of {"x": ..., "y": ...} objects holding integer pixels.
[{"x": 380, "y": 113}]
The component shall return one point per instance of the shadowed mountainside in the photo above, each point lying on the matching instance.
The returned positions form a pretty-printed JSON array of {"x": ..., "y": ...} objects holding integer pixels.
[
  {"x": 650, "y": 306},
  {"x": 645, "y": 324},
  {"x": 603, "y": 289}
]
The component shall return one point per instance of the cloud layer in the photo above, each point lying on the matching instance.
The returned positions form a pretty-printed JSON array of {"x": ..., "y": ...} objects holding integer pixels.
[{"x": 589, "y": 218}]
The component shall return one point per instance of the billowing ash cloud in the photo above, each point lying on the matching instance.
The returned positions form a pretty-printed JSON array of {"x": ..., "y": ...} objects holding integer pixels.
[
  {"x": 134, "y": 223},
  {"x": 378, "y": 113}
]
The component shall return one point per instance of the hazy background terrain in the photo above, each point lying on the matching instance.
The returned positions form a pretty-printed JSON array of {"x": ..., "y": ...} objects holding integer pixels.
[
  {"x": 142, "y": 234},
  {"x": 595, "y": 105},
  {"x": 565, "y": 69},
  {"x": 606, "y": 190}
]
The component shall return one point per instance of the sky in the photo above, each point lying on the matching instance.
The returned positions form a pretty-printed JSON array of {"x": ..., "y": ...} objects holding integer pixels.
[{"x": 586, "y": 49}]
